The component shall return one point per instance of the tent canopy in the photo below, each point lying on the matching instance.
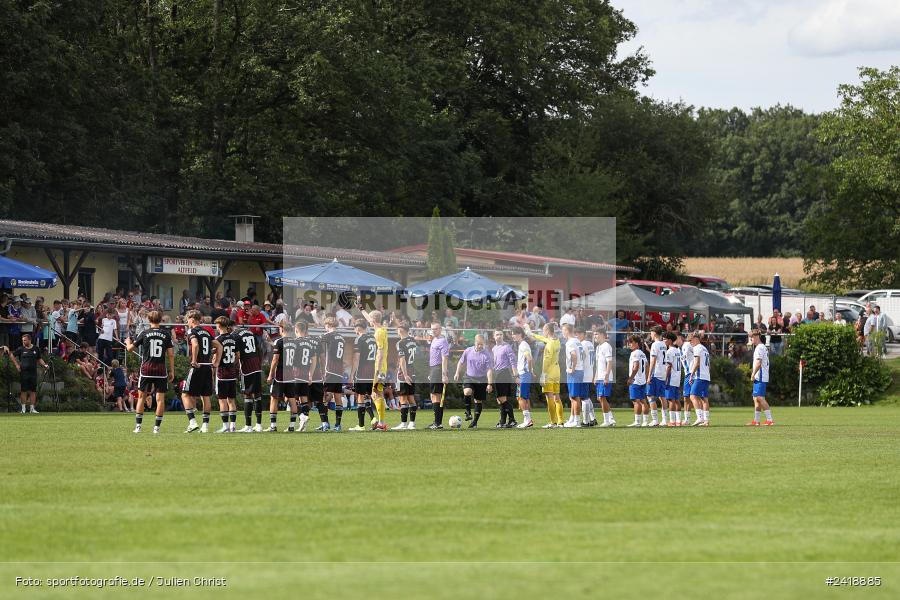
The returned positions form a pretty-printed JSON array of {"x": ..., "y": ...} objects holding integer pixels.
[
  {"x": 701, "y": 301},
  {"x": 627, "y": 297},
  {"x": 332, "y": 276},
  {"x": 465, "y": 285},
  {"x": 16, "y": 274}
]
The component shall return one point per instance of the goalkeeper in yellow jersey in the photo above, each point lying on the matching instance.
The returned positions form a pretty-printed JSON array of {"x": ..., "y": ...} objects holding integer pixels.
[
  {"x": 550, "y": 373},
  {"x": 375, "y": 319}
]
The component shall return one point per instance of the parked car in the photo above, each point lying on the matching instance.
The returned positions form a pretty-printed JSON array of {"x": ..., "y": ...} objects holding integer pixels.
[
  {"x": 856, "y": 293},
  {"x": 709, "y": 282},
  {"x": 763, "y": 290}
]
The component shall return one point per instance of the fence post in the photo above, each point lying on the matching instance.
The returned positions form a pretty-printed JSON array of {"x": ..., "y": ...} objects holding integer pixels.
[{"x": 800, "y": 388}]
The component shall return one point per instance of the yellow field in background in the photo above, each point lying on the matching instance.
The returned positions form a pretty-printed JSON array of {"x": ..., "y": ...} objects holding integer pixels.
[{"x": 748, "y": 271}]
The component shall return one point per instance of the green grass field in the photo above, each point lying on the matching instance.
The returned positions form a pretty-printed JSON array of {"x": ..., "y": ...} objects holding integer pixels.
[{"x": 724, "y": 512}]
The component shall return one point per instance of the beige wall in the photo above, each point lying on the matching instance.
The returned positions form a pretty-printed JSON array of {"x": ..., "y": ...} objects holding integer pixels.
[{"x": 106, "y": 274}]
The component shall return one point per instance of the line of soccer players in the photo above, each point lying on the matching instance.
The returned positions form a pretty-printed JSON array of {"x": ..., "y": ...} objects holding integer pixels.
[{"x": 307, "y": 371}]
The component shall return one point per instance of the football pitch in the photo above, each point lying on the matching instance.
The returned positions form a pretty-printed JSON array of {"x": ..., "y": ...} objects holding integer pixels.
[{"x": 727, "y": 511}]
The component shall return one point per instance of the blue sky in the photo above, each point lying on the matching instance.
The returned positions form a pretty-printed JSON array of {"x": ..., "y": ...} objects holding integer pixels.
[{"x": 747, "y": 53}]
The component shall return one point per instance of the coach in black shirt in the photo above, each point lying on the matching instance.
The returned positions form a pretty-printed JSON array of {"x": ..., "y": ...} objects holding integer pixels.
[{"x": 27, "y": 357}]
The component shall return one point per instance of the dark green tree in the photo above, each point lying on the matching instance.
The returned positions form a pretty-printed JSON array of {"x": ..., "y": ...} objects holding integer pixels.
[
  {"x": 853, "y": 240},
  {"x": 768, "y": 168}
]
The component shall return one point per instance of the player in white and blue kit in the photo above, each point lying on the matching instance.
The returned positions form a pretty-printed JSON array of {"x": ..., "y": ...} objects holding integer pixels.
[
  {"x": 588, "y": 419},
  {"x": 673, "y": 379},
  {"x": 760, "y": 378},
  {"x": 604, "y": 376},
  {"x": 637, "y": 381},
  {"x": 656, "y": 375},
  {"x": 700, "y": 381},
  {"x": 574, "y": 374},
  {"x": 687, "y": 361}
]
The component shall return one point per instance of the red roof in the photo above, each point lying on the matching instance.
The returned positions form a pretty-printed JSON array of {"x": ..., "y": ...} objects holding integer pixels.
[{"x": 531, "y": 259}]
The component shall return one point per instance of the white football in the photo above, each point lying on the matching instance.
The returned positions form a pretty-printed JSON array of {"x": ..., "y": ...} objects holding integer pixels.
[{"x": 455, "y": 422}]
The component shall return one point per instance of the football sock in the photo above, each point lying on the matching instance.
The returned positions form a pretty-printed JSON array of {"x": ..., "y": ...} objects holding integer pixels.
[
  {"x": 233, "y": 416},
  {"x": 404, "y": 413},
  {"x": 305, "y": 409},
  {"x": 158, "y": 421},
  {"x": 551, "y": 410},
  {"x": 379, "y": 408},
  {"x": 637, "y": 419},
  {"x": 526, "y": 415},
  {"x": 273, "y": 418},
  {"x": 412, "y": 413},
  {"x": 468, "y": 401},
  {"x": 503, "y": 409},
  {"x": 559, "y": 411},
  {"x": 323, "y": 411},
  {"x": 248, "y": 411},
  {"x": 338, "y": 414},
  {"x": 768, "y": 415},
  {"x": 370, "y": 409},
  {"x": 224, "y": 415},
  {"x": 257, "y": 408},
  {"x": 653, "y": 414},
  {"x": 190, "y": 415},
  {"x": 138, "y": 418},
  {"x": 293, "y": 420},
  {"x": 645, "y": 418},
  {"x": 361, "y": 415},
  {"x": 206, "y": 417},
  {"x": 478, "y": 409},
  {"x": 438, "y": 414},
  {"x": 756, "y": 416}
]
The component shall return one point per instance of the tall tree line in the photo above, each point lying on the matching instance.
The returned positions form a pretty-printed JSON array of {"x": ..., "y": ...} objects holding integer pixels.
[{"x": 169, "y": 115}]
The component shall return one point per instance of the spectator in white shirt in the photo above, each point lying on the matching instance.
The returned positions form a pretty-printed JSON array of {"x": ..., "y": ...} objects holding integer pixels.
[{"x": 568, "y": 318}]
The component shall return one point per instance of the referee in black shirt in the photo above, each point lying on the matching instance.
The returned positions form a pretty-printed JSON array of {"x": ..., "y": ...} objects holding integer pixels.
[{"x": 26, "y": 358}]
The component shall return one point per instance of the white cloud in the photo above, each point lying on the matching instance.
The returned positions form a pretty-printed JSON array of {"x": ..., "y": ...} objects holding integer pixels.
[
  {"x": 725, "y": 53},
  {"x": 843, "y": 26}
]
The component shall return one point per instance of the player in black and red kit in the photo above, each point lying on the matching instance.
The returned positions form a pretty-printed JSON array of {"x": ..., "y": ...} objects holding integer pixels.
[
  {"x": 250, "y": 359},
  {"x": 226, "y": 375},
  {"x": 281, "y": 376},
  {"x": 305, "y": 364},
  {"x": 204, "y": 353},
  {"x": 407, "y": 349},
  {"x": 156, "y": 351},
  {"x": 332, "y": 352},
  {"x": 363, "y": 374}
]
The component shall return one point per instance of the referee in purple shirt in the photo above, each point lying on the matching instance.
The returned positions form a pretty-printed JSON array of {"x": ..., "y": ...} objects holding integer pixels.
[
  {"x": 504, "y": 377},
  {"x": 438, "y": 361},
  {"x": 479, "y": 364}
]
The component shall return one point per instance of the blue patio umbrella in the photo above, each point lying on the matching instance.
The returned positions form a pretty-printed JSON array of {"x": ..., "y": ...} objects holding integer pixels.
[
  {"x": 465, "y": 285},
  {"x": 334, "y": 277},
  {"x": 16, "y": 274},
  {"x": 776, "y": 293}
]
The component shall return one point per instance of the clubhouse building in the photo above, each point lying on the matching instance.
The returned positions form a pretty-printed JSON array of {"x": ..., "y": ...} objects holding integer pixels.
[{"x": 93, "y": 261}]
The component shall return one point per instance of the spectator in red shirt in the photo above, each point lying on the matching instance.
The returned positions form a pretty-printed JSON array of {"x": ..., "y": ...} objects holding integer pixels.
[
  {"x": 242, "y": 315},
  {"x": 255, "y": 317}
]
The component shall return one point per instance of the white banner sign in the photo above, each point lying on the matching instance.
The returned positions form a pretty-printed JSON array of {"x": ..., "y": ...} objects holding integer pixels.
[{"x": 183, "y": 266}]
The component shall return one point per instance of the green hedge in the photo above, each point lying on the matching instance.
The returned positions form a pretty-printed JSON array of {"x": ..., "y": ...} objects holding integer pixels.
[
  {"x": 857, "y": 385},
  {"x": 827, "y": 348},
  {"x": 835, "y": 367}
]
